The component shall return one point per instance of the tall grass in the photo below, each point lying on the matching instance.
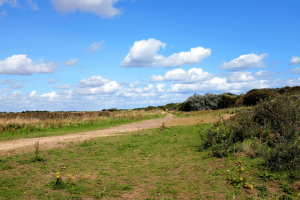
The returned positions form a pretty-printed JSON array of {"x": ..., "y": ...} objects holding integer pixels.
[{"x": 26, "y": 123}]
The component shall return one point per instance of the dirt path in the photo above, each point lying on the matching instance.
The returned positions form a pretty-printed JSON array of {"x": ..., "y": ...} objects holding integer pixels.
[{"x": 18, "y": 146}]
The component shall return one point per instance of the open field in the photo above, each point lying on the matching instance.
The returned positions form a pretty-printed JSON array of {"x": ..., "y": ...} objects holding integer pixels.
[
  {"x": 151, "y": 164},
  {"x": 164, "y": 162},
  {"x": 33, "y": 125}
]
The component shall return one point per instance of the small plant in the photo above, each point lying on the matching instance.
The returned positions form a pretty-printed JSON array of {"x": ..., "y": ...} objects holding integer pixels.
[
  {"x": 265, "y": 176},
  {"x": 238, "y": 182},
  {"x": 263, "y": 191},
  {"x": 70, "y": 180},
  {"x": 288, "y": 189},
  {"x": 37, "y": 148},
  {"x": 175, "y": 136},
  {"x": 248, "y": 186},
  {"x": 240, "y": 168}
]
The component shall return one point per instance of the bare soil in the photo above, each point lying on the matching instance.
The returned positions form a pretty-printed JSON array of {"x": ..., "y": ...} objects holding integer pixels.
[{"x": 20, "y": 146}]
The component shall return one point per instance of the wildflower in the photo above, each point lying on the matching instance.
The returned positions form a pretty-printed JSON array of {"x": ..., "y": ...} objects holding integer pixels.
[
  {"x": 242, "y": 169},
  {"x": 247, "y": 172},
  {"x": 241, "y": 179}
]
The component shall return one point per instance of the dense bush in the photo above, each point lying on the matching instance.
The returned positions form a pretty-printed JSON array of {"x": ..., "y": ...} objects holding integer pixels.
[
  {"x": 227, "y": 100},
  {"x": 253, "y": 96},
  {"x": 198, "y": 102},
  {"x": 275, "y": 124}
]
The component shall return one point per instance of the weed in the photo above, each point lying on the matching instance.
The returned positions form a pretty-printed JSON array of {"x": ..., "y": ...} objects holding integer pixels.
[{"x": 263, "y": 191}]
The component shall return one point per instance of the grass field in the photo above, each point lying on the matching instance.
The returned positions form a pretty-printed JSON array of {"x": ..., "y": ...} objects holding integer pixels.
[
  {"x": 152, "y": 164},
  {"x": 32, "y": 125}
]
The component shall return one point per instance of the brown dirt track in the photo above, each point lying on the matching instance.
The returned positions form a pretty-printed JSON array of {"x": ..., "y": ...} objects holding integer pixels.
[{"x": 20, "y": 146}]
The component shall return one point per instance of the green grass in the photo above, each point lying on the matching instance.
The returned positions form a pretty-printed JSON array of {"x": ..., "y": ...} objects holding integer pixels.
[
  {"x": 151, "y": 164},
  {"x": 81, "y": 127},
  {"x": 207, "y": 113}
]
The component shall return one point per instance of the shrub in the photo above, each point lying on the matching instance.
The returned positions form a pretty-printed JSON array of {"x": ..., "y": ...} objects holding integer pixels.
[
  {"x": 253, "y": 96},
  {"x": 198, "y": 102},
  {"x": 149, "y": 108},
  {"x": 112, "y": 109},
  {"x": 227, "y": 101}
]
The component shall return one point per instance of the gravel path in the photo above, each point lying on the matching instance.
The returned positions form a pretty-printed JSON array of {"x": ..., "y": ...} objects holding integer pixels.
[{"x": 18, "y": 146}]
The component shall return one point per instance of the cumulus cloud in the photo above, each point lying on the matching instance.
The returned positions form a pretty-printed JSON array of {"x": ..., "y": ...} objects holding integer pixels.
[
  {"x": 143, "y": 53},
  {"x": 33, "y": 5},
  {"x": 104, "y": 8},
  {"x": 160, "y": 87},
  {"x": 52, "y": 96},
  {"x": 21, "y": 65},
  {"x": 95, "y": 47},
  {"x": 135, "y": 84},
  {"x": 245, "y": 62},
  {"x": 295, "y": 60},
  {"x": 65, "y": 86},
  {"x": 240, "y": 77},
  {"x": 51, "y": 80},
  {"x": 180, "y": 75},
  {"x": 106, "y": 88},
  {"x": 94, "y": 81},
  {"x": 72, "y": 62}
]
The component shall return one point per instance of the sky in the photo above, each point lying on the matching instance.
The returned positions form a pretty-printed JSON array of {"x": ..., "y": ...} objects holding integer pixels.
[{"x": 89, "y": 55}]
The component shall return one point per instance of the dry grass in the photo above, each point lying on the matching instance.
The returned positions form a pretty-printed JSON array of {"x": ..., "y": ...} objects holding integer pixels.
[{"x": 14, "y": 121}]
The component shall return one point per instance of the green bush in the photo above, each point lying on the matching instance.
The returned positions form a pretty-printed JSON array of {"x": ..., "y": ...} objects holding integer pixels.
[
  {"x": 254, "y": 96},
  {"x": 198, "y": 102},
  {"x": 227, "y": 101},
  {"x": 275, "y": 124}
]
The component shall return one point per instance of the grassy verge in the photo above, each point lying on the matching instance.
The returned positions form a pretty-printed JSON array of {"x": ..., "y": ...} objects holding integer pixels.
[
  {"x": 152, "y": 164},
  {"x": 78, "y": 127},
  {"x": 207, "y": 112}
]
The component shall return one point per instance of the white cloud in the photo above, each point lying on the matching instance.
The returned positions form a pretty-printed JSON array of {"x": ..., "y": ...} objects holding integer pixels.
[
  {"x": 261, "y": 73},
  {"x": 94, "y": 81},
  {"x": 180, "y": 75},
  {"x": 218, "y": 85},
  {"x": 16, "y": 86},
  {"x": 240, "y": 77},
  {"x": 135, "y": 84},
  {"x": 293, "y": 82},
  {"x": 95, "y": 47},
  {"x": 8, "y": 82},
  {"x": 295, "y": 70},
  {"x": 104, "y": 8},
  {"x": 33, "y": 4},
  {"x": 160, "y": 87},
  {"x": 51, "y": 80},
  {"x": 21, "y": 65},
  {"x": 106, "y": 88},
  {"x": 32, "y": 94},
  {"x": 245, "y": 62},
  {"x": 295, "y": 60},
  {"x": 72, "y": 62},
  {"x": 52, "y": 96},
  {"x": 16, "y": 94},
  {"x": 144, "y": 54},
  {"x": 66, "y": 86}
]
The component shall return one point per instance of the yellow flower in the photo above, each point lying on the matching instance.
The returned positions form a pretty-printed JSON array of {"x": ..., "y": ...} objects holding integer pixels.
[
  {"x": 242, "y": 169},
  {"x": 241, "y": 179},
  {"x": 247, "y": 172}
]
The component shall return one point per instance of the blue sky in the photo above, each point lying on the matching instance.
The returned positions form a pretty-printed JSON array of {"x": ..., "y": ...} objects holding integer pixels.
[{"x": 96, "y": 54}]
